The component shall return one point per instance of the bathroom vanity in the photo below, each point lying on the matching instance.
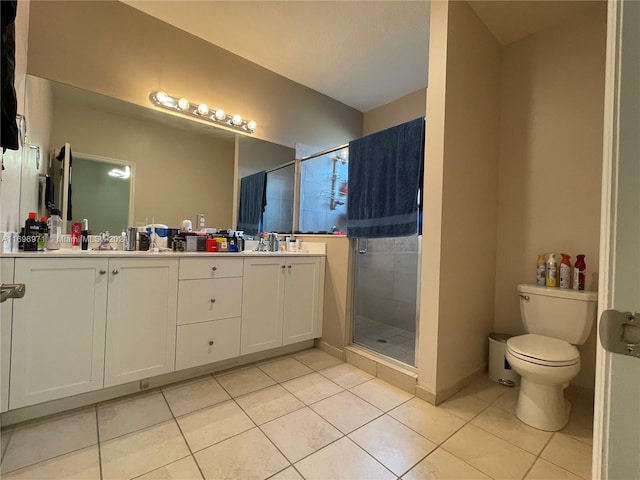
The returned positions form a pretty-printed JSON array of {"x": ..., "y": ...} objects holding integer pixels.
[{"x": 96, "y": 320}]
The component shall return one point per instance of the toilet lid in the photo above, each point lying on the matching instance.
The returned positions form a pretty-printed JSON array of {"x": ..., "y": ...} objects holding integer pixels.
[{"x": 543, "y": 350}]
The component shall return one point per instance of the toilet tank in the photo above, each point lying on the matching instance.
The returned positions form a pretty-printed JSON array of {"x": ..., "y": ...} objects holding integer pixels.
[{"x": 558, "y": 312}]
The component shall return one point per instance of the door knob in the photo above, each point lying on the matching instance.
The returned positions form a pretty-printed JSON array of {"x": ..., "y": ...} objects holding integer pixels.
[
  {"x": 102, "y": 272},
  {"x": 210, "y": 342},
  {"x": 288, "y": 266},
  {"x": 115, "y": 271},
  {"x": 214, "y": 268},
  {"x": 213, "y": 300}
]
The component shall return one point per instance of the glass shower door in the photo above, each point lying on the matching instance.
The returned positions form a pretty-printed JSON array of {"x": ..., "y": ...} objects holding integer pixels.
[{"x": 386, "y": 295}]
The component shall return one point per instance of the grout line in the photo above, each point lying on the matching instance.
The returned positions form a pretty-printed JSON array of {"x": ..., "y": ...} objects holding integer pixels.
[
  {"x": 99, "y": 443},
  {"x": 6, "y": 445}
]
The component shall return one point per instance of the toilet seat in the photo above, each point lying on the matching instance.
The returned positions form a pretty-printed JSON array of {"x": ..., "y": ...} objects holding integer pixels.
[{"x": 541, "y": 350}]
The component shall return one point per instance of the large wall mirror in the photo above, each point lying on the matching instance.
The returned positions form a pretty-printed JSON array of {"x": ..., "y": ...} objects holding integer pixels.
[{"x": 182, "y": 167}]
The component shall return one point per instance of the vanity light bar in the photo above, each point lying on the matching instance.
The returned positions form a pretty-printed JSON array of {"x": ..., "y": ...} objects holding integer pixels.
[{"x": 201, "y": 111}]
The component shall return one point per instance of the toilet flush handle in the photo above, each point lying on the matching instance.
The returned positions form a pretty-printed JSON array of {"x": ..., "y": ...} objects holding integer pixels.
[{"x": 524, "y": 297}]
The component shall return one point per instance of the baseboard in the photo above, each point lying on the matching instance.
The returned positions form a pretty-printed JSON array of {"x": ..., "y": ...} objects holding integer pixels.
[
  {"x": 330, "y": 349},
  {"x": 77, "y": 402},
  {"x": 436, "y": 398},
  {"x": 399, "y": 376}
]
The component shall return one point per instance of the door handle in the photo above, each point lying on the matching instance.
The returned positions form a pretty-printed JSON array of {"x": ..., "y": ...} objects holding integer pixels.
[
  {"x": 619, "y": 332},
  {"x": 11, "y": 290}
]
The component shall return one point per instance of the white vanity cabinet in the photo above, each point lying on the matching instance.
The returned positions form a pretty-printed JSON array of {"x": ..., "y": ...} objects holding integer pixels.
[
  {"x": 6, "y": 312},
  {"x": 209, "y": 309},
  {"x": 281, "y": 301},
  {"x": 58, "y": 329},
  {"x": 141, "y": 319}
]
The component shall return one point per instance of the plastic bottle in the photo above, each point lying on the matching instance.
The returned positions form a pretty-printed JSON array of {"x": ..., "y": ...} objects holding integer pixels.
[
  {"x": 565, "y": 271},
  {"x": 579, "y": 273},
  {"x": 552, "y": 270},
  {"x": 541, "y": 270},
  {"x": 84, "y": 242},
  {"x": 31, "y": 231},
  {"x": 54, "y": 225},
  {"x": 43, "y": 234}
]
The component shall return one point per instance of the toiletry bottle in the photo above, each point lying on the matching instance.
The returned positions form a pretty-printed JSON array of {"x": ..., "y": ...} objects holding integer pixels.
[
  {"x": 85, "y": 234},
  {"x": 43, "y": 234},
  {"x": 54, "y": 225},
  {"x": 31, "y": 231},
  {"x": 565, "y": 271},
  {"x": 552, "y": 270},
  {"x": 579, "y": 273},
  {"x": 541, "y": 270}
]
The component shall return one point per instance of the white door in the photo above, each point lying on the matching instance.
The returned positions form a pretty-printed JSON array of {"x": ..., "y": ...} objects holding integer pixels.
[
  {"x": 302, "y": 294},
  {"x": 58, "y": 329},
  {"x": 141, "y": 319},
  {"x": 617, "y": 408}
]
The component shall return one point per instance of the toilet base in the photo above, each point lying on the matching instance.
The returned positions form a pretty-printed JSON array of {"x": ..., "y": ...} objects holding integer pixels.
[{"x": 542, "y": 406}]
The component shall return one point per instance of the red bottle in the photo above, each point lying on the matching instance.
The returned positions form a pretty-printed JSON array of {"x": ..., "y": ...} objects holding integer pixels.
[{"x": 579, "y": 273}]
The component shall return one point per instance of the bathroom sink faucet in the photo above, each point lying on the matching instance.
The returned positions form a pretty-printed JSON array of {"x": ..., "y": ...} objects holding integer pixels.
[{"x": 104, "y": 242}]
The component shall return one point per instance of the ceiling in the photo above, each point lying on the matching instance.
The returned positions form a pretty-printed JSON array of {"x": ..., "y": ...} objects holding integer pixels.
[{"x": 362, "y": 53}]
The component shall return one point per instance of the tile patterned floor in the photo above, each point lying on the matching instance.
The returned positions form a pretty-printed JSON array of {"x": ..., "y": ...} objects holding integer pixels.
[
  {"x": 386, "y": 339},
  {"x": 304, "y": 416}
]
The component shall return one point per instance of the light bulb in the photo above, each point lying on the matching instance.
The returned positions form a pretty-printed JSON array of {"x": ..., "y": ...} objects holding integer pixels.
[
  {"x": 251, "y": 125},
  {"x": 203, "y": 109},
  {"x": 236, "y": 120},
  {"x": 220, "y": 115},
  {"x": 183, "y": 103},
  {"x": 162, "y": 97}
]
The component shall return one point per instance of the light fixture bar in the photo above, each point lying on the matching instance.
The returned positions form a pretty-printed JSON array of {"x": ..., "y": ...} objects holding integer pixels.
[{"x": 202, "y": 112}]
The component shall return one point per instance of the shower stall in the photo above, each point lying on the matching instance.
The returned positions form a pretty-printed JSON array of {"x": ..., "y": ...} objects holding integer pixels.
[{"x": 386, "y": 296}]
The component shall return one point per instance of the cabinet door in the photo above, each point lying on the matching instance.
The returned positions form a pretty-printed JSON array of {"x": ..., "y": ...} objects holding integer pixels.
[
  {"x": 141, "y": 319},
  {"x": 58, "y": 329},
  {"x": 303, "y": 294},
  {"x": 262, "y": 298},
  {"x": 6, "y": 314}
]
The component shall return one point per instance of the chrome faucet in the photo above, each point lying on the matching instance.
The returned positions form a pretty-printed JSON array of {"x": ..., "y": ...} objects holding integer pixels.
[{"x": 104, "y": 242}]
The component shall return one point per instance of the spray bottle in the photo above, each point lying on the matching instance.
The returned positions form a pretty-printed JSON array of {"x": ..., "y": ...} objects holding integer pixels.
[
  {"x": 565, "y": 271},
  {"x": 552, "y": 270},
  {"x": 541, "y": 270}
]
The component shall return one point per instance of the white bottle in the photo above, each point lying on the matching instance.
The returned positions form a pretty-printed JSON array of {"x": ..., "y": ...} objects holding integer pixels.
[{"x": 552, "y": 270}]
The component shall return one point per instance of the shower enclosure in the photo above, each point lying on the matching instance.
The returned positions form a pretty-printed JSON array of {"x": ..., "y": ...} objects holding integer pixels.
[{"x": 386, "y": 296}]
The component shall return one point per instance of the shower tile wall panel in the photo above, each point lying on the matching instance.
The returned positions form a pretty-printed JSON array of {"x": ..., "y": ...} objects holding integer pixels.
[
  {"x": 278, "y": 214},
  {"x": 315, "y": 196}
]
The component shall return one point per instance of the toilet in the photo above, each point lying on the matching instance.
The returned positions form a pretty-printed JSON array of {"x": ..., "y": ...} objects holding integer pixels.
[{"x": 546, "y": 357}]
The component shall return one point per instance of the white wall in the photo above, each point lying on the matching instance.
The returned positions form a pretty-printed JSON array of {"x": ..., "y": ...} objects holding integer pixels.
[{"x": 394, "y": 113}]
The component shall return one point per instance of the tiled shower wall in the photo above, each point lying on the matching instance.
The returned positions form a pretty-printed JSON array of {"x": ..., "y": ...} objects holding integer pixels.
[
  {"x": 386, "y": 282},
  {"x": 278, "y": 214}
]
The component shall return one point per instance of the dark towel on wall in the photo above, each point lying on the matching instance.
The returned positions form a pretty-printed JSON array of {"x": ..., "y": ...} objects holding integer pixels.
[
  {"x": 9, "y": 103},
  {"x": 253, "y": 199},
  {"x": 385, "y": 173}
]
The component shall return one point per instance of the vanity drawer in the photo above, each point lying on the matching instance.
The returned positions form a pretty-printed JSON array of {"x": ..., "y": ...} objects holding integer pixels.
[
  {"x": 192, "y": 268},
  {"x": 212, "y": 299},
  {"x": 207, "y": 342}
]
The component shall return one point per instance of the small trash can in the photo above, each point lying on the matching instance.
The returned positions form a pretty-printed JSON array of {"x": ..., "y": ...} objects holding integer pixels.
[{"x": 499, "y": 369}]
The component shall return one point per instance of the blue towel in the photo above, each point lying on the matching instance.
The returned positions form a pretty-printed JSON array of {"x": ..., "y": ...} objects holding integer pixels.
[
  {"x": 385, "y": 174},
  {"x": 253, "y": 199}
]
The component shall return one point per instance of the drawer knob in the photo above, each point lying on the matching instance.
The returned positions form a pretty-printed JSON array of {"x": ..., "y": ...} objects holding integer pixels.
[
  {"x": 213, "y": 300},
  {"x": 288, "y": 266},
  {"x": 214, "y": 268},
  {"x": 283, "y": 267},
  {"x": 115, "y": 271},
  {"x": 102, "y": 272},
  {"x": 210, "y": 342}
]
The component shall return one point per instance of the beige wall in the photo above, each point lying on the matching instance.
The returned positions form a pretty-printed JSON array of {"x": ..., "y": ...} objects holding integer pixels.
[
  {"x": 399, "y": 111},
  {"x": 550, "y": 159},
  {"x": 113, "y": 49},
  {"x": 179, "y": 173},
  {"x": 459, "y": 248}
]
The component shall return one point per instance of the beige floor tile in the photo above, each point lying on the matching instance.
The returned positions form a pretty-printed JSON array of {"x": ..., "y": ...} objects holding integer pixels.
[
  {"x": 381, "y": 394},
  {"x": 79, "y": 465},
  {"x": 464, "y": 406},
  {"x": 441, "y": 465},
  {"x": 285, "y": 369},
  {"x": 312, "y": 388},
  {"x": 393, "y": 444},
  {"x": 508, "y": 400},
  {"x": 130, "y": 414},
  {"x": 34, "y": 442},
  {"x": 317, "y": 359},
  {"x": 245, "y": 381},
  {"x": 287, "y": 474},
  {"x": 489, "y": 454},
  {"x": 342, "y": 460},
  {"x": 191, "y": 396},
  {"x": 507, "y": 426},
  {"x": 486, "y": 389},
  {"x": 570, "y": 454},
  {"x": 183, "y": 469},
  {"x": 580, "y": 424},
  {"x": 300, "y": 433},
  {"x": 142, "y": 451},
  {"x": 429, "y": 421},
  {"x": 268, "y": 404},
  {"x": 346, "y": 411},
  {"x": 543, "y": 470},
  {"x": 345, "y": 375},
  {"x": 5, "y": 436},
  {"x": 213, "y": 424},
  {"x": 249, "y": 455}
]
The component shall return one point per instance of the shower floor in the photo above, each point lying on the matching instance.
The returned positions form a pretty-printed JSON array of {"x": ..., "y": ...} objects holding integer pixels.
[{"x": 391, "y": 341}]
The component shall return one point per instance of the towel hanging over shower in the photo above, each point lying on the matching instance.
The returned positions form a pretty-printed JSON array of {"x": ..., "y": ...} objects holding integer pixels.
[
  {"x": 253, "y": 199},
  {"x": 385, "y": 175}
]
